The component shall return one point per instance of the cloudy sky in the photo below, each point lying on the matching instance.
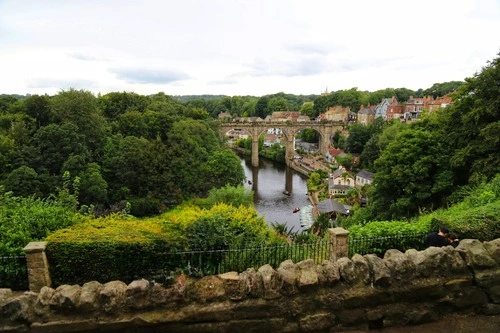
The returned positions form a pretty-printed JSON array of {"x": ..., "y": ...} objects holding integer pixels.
[{"x": 242, "y": 47}]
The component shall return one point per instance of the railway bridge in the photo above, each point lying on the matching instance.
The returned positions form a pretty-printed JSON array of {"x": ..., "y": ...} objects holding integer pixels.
[{"x": 289, "y": 128}]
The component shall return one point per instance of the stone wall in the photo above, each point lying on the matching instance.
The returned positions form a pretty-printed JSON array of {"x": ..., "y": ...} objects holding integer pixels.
[{"x": 359, "y": 293}]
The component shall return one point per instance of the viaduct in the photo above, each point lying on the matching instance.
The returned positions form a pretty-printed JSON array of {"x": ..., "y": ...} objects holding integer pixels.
[{"x": 290, "y": 128}]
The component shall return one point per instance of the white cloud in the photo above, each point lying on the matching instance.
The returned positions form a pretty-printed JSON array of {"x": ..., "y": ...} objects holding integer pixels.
[{"x": 242, "y": 47}]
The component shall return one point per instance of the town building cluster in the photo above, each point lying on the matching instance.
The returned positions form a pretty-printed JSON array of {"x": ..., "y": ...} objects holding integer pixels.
[{"x": 387, "y": 109}]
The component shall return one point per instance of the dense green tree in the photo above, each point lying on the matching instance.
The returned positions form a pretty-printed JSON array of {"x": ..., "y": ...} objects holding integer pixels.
[
  {"x": 441, "y": 89},
  {"x": 38, "y": 107},
  {"x": 127, "y": 166},
  {"x": 262, "y": 107},
  {"x": 80, "y": 108},
  {"x": 370, "y": 153},
  {"x": 277, "y": 104},
  {"x": 191, "y": 143},
  {"x": 196, "y": 113},
  {"x": 359, "y": 135},
  {"x": 7, "y": 148},
  {"x": 23, "y": 181},
  {"x": 412, "y": 174},
  {"x": 346, "y": 161},
  {"x": 223, "y": 167},
  {"x": 132, "y": 123},
  {"x": 403, "y": 94},
  {"x": 115, "y": 104},
  {"x": 321, "y": 104},
  {"x": 93, "y": 187},
  {"x": 56, "y": 143},
  {"x": 307, "y": 109}
]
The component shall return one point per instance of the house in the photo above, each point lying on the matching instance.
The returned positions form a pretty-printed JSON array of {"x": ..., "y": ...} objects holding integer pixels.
[
  {"x": 285, "y": 115},
  {"x": 337, "y": 113},
  {"x": 332, "y": 208},
  {"x": 366, "y": 115},
  {"x": 395, "y": 110},
  {"x": 340, "y": 182},
  {"x": 332, "y": 153},
  {"x": 440, "y": 102},
  {"x": 415, "y": 106},
  {"x": 364, "y": 178},
  {"x": 381, "y": 108},
  {"x": 225, "y": 116}
]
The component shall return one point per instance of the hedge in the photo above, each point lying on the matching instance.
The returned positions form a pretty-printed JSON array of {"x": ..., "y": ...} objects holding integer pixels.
[{"x": 110, "y": 248}]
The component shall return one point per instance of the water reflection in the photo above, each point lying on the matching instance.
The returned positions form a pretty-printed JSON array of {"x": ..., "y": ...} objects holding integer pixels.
[{"x": 269, "y": 181}]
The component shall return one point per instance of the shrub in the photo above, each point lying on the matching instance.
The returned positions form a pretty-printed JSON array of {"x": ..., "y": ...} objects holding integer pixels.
[
  {"x": 111, "y": 248},
  {"x": 23, "y": 220}
]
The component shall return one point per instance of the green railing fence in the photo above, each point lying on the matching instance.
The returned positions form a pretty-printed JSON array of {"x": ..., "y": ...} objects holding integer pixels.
[
  {"x": 207, "y": 262},
  {"x": 13, "y": 272},
  {"x": 198, "y": 263},
  {"x": 378, "y": 245}
]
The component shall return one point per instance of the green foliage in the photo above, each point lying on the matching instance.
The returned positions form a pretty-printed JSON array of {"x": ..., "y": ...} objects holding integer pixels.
[
  {"x": 441, "y": 89},
  {"x": 129, "y": 248},
  {"x": 276, "y": 153},
  {"x": 232, "y": 195},
  {"x": 23, "y": 220},
  {"x": 223, "y": 167}
]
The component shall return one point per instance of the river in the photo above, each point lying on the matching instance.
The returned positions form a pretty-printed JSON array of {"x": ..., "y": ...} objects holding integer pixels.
[{"x": 269, "y": 181}]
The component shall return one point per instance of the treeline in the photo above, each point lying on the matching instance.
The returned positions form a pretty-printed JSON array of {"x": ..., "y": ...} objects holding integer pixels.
[
  {"x": 310, "y": 105},
  {"x": 432, "y": 163},
  {"x": 151, "y": 151}
]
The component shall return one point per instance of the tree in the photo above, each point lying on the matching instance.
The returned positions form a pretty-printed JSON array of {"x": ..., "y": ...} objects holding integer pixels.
[
  {"x": 93, "y": 187},
  {"x": 115, "y": 104},
  {"x": 223, "y": 167},
  {"x": 23, "y": 182},
  {"x": 262, "y": 107},
  {"x": 79, "y": 107},
  {"x": 307, "y": 109},
  {"x": 38, "y": 107},
  {"x": 346, "y": 161},
  {"x": 471, "y": 125},
  {"x": 359, "y": 135},
  {"x": 441, "y": 89},
  {"x": 403, "y": 94},
  {"x": 55, "y": 143},
  {"x": 191, "y": 142},
  {"x": 132, "y": 123},
  {"x": 277, "y": 104},
  {"x": 196, "y": 113},
  {"x": 412, "y": 174}
]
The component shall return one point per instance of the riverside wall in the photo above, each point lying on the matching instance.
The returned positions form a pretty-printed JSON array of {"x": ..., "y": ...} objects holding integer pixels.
[{"x": 361, "y": 293}]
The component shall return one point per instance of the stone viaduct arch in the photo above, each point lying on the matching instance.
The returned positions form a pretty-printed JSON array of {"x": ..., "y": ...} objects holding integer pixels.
[{"x": 289, "y": 128}]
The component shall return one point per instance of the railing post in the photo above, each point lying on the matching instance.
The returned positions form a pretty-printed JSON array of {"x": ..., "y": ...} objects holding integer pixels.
[
  {"x": 38, "y": 266},
  {"x": 339, "y": 241}
]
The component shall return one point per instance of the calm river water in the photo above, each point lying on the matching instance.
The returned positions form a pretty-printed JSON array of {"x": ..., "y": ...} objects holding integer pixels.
[{"x": 269, "y": 181}]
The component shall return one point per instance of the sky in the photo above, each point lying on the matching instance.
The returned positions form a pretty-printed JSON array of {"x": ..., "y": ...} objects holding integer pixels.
[{"x": 254, "y": 47}]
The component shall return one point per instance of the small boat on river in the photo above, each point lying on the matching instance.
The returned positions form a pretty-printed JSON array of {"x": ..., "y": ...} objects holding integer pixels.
[
  {"x": 285, "y": 192},
  {"x": 295, "y": 210}
]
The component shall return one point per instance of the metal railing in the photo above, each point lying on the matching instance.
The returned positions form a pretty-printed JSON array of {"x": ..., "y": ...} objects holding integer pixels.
[
  {"x": 208, "y": 262},
  {"x": 378, "y": 245},
  {"x": 13, "y": 273}
]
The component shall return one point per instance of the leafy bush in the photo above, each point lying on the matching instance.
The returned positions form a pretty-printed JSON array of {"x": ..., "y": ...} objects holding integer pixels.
[
  {"x": 23, "y": 220},
  {"x": 128, "y": 248},
  {"x": 110, "y": 248}
]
